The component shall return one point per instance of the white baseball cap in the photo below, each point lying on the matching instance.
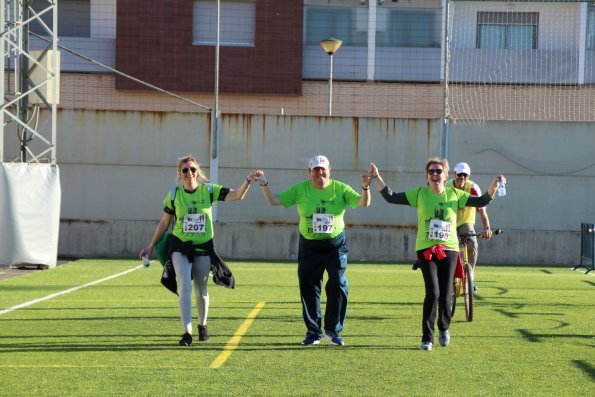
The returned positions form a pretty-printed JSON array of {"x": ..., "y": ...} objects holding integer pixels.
[
  {"x": 463, "y": 168},
  {"x": 319, "y": 161}
]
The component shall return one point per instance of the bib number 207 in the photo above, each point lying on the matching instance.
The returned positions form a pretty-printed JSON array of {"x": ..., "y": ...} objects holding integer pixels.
[{"x": 195, "y": 223}]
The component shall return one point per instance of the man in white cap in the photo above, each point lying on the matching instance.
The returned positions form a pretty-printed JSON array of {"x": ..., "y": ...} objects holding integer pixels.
[
  {"x": 321, "y": 203},
  {"x": 466, "y": 216}
]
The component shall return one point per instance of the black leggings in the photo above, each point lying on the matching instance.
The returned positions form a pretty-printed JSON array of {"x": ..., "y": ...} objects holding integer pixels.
[{"x": 438, "y": 279}]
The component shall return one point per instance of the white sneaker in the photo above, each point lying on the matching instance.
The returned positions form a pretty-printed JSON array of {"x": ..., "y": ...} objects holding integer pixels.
[
  {"x": 444, "y": 338},
  {"x": 426, "y": 346}
]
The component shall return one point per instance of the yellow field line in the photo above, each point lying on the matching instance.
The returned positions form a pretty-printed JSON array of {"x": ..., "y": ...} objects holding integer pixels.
[{"x": 234, "y": 342}]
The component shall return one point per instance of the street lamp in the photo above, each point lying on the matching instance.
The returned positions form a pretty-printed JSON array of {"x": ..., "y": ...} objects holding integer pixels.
[{"x": 330, "y": 46}]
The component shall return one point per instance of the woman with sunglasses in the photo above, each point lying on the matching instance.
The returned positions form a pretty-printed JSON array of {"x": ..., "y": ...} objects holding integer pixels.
[
  {"x": 191, "y": 245},
  {"x": 436, "y": 243}
]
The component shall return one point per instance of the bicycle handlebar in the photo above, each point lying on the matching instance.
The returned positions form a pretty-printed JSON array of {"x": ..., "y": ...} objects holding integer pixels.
[{"x": 465, "y": 236}]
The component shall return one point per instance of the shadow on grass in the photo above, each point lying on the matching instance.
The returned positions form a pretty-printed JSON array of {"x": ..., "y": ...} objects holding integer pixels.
[
  {"x": 125, "y": 343},
  {"x": 585, "y": 367},
  {"x": 533, "y": 337},
  {"x": 510, "y": 314},
  {"x": 111, "y": 319}
]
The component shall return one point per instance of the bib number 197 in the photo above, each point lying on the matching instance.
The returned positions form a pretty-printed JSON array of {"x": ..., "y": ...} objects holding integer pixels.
[{"x": 323, "y": 223}]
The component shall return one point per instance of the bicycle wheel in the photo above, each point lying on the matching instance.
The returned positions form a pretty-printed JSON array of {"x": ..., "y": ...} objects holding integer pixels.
[{"x": 468, "y": 293}]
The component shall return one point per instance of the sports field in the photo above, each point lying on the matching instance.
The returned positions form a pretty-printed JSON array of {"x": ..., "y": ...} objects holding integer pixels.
[{"x": 533, "y": 335}]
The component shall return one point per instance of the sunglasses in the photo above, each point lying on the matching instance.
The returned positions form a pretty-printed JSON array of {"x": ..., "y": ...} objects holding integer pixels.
[
  {"x": 435, "y": 172},
  {"x": 462, "y": 175},
  {"x": 191, "y": 169}
]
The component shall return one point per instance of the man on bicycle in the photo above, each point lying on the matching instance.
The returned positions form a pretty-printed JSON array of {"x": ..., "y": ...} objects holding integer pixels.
[{"x": 466, "y": 215}]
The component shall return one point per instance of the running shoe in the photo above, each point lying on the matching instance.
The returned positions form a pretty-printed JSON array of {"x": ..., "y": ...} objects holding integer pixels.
[
  {"x": 186, "y": 340},
  {"x": 444, "y": 338},
  {"x": 426, "y": 346},
  {"x": 203, "y": 333},
  {"x": 335, "y": 339},
  {"x": 310, "y": 340}
]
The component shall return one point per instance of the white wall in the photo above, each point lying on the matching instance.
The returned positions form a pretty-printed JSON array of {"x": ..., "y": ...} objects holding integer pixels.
[{"x": 117, "y": 167}]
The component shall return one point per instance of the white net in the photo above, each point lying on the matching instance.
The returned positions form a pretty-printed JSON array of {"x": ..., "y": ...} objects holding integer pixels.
[{"x": 521, "y": 60}]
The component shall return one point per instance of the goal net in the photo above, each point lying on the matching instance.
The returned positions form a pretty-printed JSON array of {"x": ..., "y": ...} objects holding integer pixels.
[{"x": 520, "y": 60}]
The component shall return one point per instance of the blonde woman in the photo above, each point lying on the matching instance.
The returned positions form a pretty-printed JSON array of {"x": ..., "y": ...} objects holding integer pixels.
[{"x": 191, "y": 245}]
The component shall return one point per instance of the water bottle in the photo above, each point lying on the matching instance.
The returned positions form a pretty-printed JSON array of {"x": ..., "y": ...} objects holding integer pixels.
[
  {"x": 146, "y": 260},
  {"x": 501, "y": 188}
]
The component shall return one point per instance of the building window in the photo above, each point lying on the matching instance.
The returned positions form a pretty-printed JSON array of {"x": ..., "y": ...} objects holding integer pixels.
[
  {"x": 74, "y": 18},
  {"x": 507, "y": 30},
  {"x": 408, "y": 28},
  {"x": 591, "y": 29},
  {"x": 236, "y": 24},
  {"x": 348, "y": 24}
]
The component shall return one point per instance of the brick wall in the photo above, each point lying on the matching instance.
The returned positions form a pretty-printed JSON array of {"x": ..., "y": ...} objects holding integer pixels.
[{"x": 154, "y": 44}]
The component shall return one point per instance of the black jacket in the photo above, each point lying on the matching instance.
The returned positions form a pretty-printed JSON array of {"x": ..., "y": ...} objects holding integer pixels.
[{"x": 221, "y": 272}]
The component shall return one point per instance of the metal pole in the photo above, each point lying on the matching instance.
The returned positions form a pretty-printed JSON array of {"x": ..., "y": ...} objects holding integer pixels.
[
  {"x": 330, "y": 87},
  {"x": 217, "y": 45},
  {"x": 55, "y": 81},
  {"x": 3, "y": 71},
  {"x": 215, "y": 116},
  {"x": 23, "y": 103},
  {"x": 446, "y": 56}
]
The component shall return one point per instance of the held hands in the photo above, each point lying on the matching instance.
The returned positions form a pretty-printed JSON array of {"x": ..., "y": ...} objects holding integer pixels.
[
  {"x": 258, "y": 175},
  {"x": 254, "y": 175},
  {"x": 375, "y": 175},
  {"x": 366, "y": 180},
  {"x": 373, "y": 171}
]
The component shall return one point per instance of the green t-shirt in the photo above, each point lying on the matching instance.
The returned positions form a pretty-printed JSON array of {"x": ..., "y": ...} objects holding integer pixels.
[
  {"x": 193, "y": 213},
  {"x": 321, "y": 210},
  {"x": 436, "y": 216}
]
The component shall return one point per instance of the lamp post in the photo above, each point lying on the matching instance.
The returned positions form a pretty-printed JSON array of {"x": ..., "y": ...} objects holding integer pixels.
[{"x": 330, "y": 46}]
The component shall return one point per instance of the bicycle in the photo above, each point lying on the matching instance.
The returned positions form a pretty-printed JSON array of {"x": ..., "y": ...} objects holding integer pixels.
[{"x": 465, "y": 286}]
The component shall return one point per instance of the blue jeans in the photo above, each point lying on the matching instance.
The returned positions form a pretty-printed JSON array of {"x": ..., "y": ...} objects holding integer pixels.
[{"x": 316, "y": 256}]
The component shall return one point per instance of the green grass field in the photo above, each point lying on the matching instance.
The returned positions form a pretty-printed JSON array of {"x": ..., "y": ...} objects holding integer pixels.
[{"x": 533, "y": 335}]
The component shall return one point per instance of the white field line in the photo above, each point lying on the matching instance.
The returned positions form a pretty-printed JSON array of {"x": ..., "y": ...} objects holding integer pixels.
[
  {"x": 234, "y": 342},
  {"x": 22, "y": 305}
]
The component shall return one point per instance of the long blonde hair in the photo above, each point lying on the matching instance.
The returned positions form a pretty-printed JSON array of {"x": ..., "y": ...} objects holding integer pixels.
[{"x": 200, "y": 177}]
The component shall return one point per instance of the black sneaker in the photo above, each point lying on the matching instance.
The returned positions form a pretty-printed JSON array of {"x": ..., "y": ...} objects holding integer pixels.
[
  {"x": 186, "y": 340},
  {"x": 203, "y": 333}
]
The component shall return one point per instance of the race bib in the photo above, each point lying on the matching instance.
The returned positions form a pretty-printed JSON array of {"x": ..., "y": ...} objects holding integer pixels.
[
  {"x": 195, "y": 223},
  {"x": 323, "y": 223},
  {"x": 439, "y": 230}
]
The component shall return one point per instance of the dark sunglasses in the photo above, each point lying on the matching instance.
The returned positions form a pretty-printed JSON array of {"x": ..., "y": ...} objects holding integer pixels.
[
  {"x": 185, "y": 170},
  {"x": 435, "y": 172},
  {"x": 462, "y": 175}
]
